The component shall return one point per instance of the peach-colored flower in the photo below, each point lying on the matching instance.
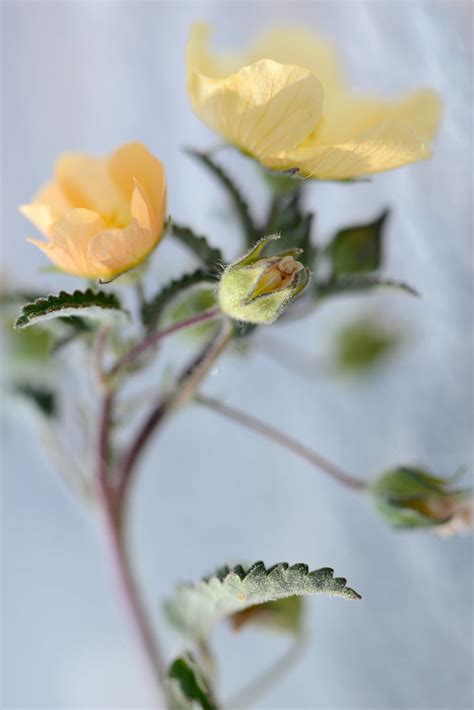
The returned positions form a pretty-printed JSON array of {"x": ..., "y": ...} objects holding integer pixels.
[{"x": 101, "y": 216}]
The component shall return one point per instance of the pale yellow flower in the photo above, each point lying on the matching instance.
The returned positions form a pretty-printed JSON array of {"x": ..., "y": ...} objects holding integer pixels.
[
  {"x": 101, "y": 216},
  {"x": 285, "y": 103}
]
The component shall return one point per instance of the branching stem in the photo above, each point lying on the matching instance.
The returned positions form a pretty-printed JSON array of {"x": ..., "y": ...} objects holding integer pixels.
[
  {"x": 111, "y": 490},
  {"x": 154, "y": 338},
  {"x": 283, "y": 439}
]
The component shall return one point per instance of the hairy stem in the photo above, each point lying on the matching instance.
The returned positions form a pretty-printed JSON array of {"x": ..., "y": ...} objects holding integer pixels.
[
  {"x": 112, "y": 511},
  {"x": 283, "y": 439},
  {"x": 154, "y": 338},
  {"x": 112, "y": 495}
]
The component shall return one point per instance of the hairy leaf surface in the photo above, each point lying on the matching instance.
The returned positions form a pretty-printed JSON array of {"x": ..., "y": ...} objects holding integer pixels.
[
  {"x": 88, "y": 303},
  {"x": 194, "y": 609}
]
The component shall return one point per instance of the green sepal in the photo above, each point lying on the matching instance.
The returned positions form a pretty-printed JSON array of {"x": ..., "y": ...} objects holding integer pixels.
[
  {"x": 195, "y": 609},
  {"x": 90, "y": 304},
  {"x": 281, "y": 181},
  {"x": 358, "y": 249},
  {"x": 411, "y": 497}
]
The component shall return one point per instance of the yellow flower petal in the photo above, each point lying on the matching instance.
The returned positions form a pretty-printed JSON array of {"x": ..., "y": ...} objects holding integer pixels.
[
  {"x": 133, "y": 163},
  {"x": 48, "y": 206},
  {"x": 263, "y": 108},
  {"x": 119, "y": 250},
  {"x": 389, "y": 145},
  {"x": 345, "y": 116},
  {"x": 347, "y": 137},
  {"x": 302, "y": 48},
  {"x": 200, "y": 59},
  {"x": 42, "y": 216},
  {"x": 102, "y": 216},
  {"x": 142, "y": 210},
  {"x": 68, "y": 246},
  {"x": 363, "y": 136},
  {"x": 87, "y": 183}
]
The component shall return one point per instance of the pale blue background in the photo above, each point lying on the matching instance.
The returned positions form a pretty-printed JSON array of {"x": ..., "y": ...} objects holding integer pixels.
[{"x": 91, "y": 75}]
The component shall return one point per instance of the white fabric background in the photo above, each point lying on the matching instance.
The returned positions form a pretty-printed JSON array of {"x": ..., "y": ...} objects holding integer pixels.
[{"x": 91, "y": 75}]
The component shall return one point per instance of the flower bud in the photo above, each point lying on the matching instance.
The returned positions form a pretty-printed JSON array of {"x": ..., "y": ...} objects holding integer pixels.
[
  {"x": 412, "y": 498},
  {"x": 256, "y": 289}
]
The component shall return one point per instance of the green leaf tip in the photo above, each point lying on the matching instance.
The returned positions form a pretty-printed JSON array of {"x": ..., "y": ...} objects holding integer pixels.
[
  {"x": 88, "y": 303},
  {"x": 194, "y": 609},
  {"x": 359, "y": 248},
  {"x": 188, "y": 687}
]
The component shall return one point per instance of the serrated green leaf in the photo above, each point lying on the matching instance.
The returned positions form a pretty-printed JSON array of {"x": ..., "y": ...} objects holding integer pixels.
[
  {"x": 210, "y": 257},
  {"x": 152, "y": 311},
  {"x": 42, "y": 398},
  {"x": 189, "y": 687},
  {"x": 358, "y": 249},
  {"x": 359, "y": 284},
  {"x": 194, "y": 609},
  {"x": 249, "y": 227},
  {"x": 88, "y": 303},
  {"x": 293, "y": 224}
]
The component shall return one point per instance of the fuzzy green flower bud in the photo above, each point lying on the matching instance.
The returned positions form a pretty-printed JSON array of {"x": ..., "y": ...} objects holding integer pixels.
[
  {"x": 256, "y": 289},
  {"x": 412, "y": 498}
]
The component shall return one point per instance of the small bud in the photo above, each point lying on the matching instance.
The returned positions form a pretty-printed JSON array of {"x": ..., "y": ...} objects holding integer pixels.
[
  {"x": 412, "y": 498},
  {"x": 256, "y": 289}
]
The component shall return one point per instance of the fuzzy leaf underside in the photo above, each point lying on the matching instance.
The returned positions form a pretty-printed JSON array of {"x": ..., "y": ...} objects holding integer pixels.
[
  {"x": 188, "y": 687},
  {"x": 209, "y": 256},
  {"x": 359, "y": 284},
  {"x": 152, "y": 311},
  {"x": 88, "y": 303},
  {"x": 284, "y": 615},
  {"x": 194, "y": 609},
  {"x": 248, "y": 225}
]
